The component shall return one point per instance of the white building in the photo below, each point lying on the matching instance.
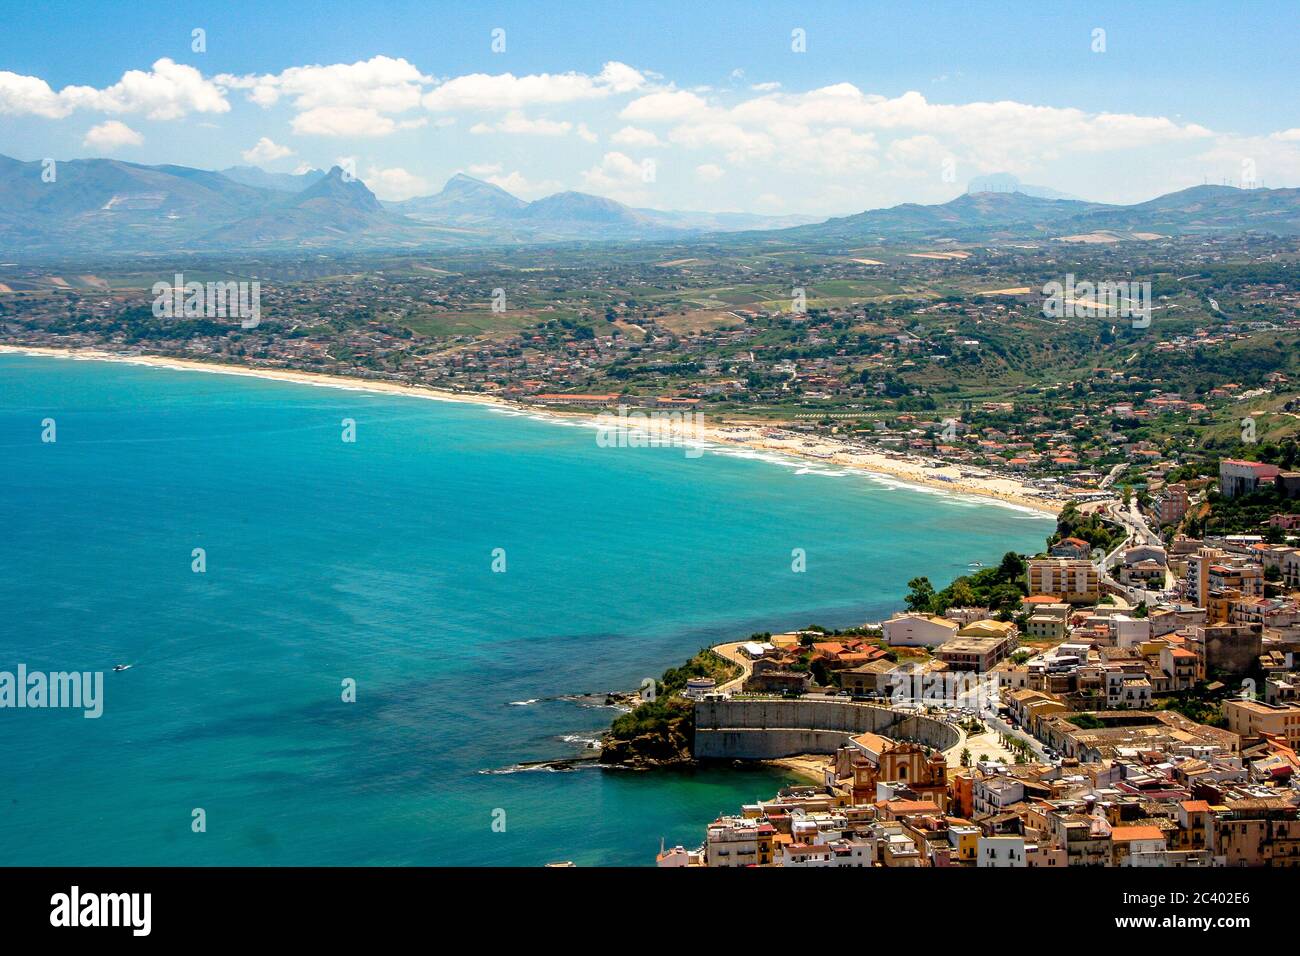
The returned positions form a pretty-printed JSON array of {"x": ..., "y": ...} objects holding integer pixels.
[
  {"x": 919, "y": 630},
  {"x": 1128, "y": 631},
  {"x": 1001, "y": 852}
]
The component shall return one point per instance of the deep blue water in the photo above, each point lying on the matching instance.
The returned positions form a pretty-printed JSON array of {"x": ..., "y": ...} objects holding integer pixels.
[{"x": 373, "y": 561}]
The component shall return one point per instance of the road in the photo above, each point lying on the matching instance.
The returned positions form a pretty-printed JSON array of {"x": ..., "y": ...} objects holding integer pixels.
[
  {"x": 732, "y": 652},
  {"x": 1136, "y": 532}
]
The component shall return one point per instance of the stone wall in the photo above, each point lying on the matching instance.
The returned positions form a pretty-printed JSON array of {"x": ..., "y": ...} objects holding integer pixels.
[{"x": 765, "y": 729}]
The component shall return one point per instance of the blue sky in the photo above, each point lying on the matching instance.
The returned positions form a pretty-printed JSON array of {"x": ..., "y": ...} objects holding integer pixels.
[{"x": 706, "y": 105}]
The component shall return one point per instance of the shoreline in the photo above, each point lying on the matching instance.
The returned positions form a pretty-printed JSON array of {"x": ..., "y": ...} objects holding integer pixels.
[
  {"x": 916, "y": 471},
  {"x": 808, "y": 766}
]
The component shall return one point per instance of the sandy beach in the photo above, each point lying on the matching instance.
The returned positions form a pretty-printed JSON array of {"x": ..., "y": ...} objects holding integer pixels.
[
  {"x": 812, "y": 767},
  {"x": 820, "y": 452}
]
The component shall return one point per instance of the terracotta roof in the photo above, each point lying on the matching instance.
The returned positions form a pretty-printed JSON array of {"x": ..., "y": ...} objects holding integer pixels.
[{"x": 1127, "y": 834}]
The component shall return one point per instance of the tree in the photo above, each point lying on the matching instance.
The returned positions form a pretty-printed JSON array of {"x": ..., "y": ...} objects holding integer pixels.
[
  {"x": 1012, "y": 566},
  {"x": 961, "y": 593},
  {"x": 920, "y": 596}
]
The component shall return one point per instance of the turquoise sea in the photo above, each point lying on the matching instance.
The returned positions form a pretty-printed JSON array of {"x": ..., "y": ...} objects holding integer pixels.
[{"x": 372, "y": 560}]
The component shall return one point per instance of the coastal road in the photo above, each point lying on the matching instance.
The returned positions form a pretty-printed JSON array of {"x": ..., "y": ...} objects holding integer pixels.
[{"x": 733, "y": 653}]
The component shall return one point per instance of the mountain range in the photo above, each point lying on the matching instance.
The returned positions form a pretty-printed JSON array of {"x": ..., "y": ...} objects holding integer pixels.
[
  {"x": 995, "y": 216},
  {"x": 104, "y": 205}
]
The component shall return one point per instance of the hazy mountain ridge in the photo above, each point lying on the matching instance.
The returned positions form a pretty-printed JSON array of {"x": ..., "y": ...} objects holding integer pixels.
[
  {"x": 97, "y": 205},
  {"x": 574, "y": 215},
  {"x": 982, "y": 217},
  {"x": 284, "y": 182}
]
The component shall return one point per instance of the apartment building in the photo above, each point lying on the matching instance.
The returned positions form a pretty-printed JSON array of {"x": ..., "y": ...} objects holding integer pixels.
[
  {"x": 1244, "y": 477},
  {"x": 1251, "y": 719},
  {"x": 1073, "y": 581},
  {"x": 1171, "y": 504},
  {"x": 1213, "y": 569},
  {"x": 735, "y": 841}
]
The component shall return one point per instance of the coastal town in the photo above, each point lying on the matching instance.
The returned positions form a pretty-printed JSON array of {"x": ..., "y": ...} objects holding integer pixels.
[
  {"x": 507, "y": 452},
  {"x": 1135, "y": 705},
  {"x": 938, "y": 366}
]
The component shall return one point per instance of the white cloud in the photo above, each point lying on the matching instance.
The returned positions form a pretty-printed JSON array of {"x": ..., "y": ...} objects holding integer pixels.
[
  {"x": 485, "y": 169},
  {"x": 1262, "y": 160},
  {"x": 395, "y": 184},
  {"x": 30, "y": 96},
  {"x": 265, "y": 151},
  {"x": 111, "y": 135},
  {"x": 665, "y": 106},
  {"x": 621, "y": 177},
  {"x": 505, "y": 91},
  {"x": 765, "y": 87},
  {"x": 168, "y": 91},
  {"x": 636, "y": 137},
  {"x": 348, "y": 121},
  {"x": 709, "y": 173},
  {"x": 383, "y": 84},
  {"x": 517, "y": 124}
]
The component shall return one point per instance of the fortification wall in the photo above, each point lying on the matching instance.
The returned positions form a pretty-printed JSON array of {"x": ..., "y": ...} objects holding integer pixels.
[{"x": 766, "y": 729}]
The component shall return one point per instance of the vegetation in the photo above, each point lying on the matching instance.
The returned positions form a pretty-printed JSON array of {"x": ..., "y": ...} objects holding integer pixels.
[
  {"x": 704, "y": 664},
  {"x": 1000, "y": 589},
  {"x": 1071, "y": 523},
  {"x": 1086, "y": 721}
]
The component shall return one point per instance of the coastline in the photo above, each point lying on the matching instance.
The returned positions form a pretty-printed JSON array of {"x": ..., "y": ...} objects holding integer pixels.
[
  {"x": 821, "y": 451},
  {"x": 808, "y": 766}
]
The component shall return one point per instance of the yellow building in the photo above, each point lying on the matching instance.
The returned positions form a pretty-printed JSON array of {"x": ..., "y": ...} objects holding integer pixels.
[
  {"x": 1253, "y": 718},
  {"x": 1073, "y": 581}
]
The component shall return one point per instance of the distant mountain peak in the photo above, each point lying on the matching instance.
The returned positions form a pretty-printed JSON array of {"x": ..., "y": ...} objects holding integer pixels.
[
  {"x": 578, "y": 206},
  {"x": 340, "y": 187}
]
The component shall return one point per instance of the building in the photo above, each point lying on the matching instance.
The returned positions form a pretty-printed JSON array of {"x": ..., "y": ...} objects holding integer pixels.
[
  {"x": 1171, "y": 504},
  {"x": 1182, "y": 666},
  {"x": 1212, "y": 569},
  {"x": 1073, "y": 548},
  {"x": 1137, "y": 846},
  {"x": 1127, "y": 690},
  {"x": 1258, "y": 831},
  {"x": 1075, "y": 582},
  {"x": 977, "y": 654},
  {"x": 870, "y": 759},
  {"x": 1251, "y": 719},
  {"x": 868, "y": 679},
  {"x": 1001, "y": 852},
  {"x": 966, "y": 615},
  {"x": 1046, "y": 627},
  {"x": 1226, "y": 649},
  {"x": 1127, "y": 632},
  {"x": 697, "y": 687},
  {"x": 735, "y": 841},
  {"x": 919, "y": 630},
  {"x": 1004, "y": 630},
  {"x": 1244, "y": 477}
]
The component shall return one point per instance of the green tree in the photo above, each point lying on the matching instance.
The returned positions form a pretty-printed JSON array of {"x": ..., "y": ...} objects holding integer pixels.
[{"x": 920, "y": 596}]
